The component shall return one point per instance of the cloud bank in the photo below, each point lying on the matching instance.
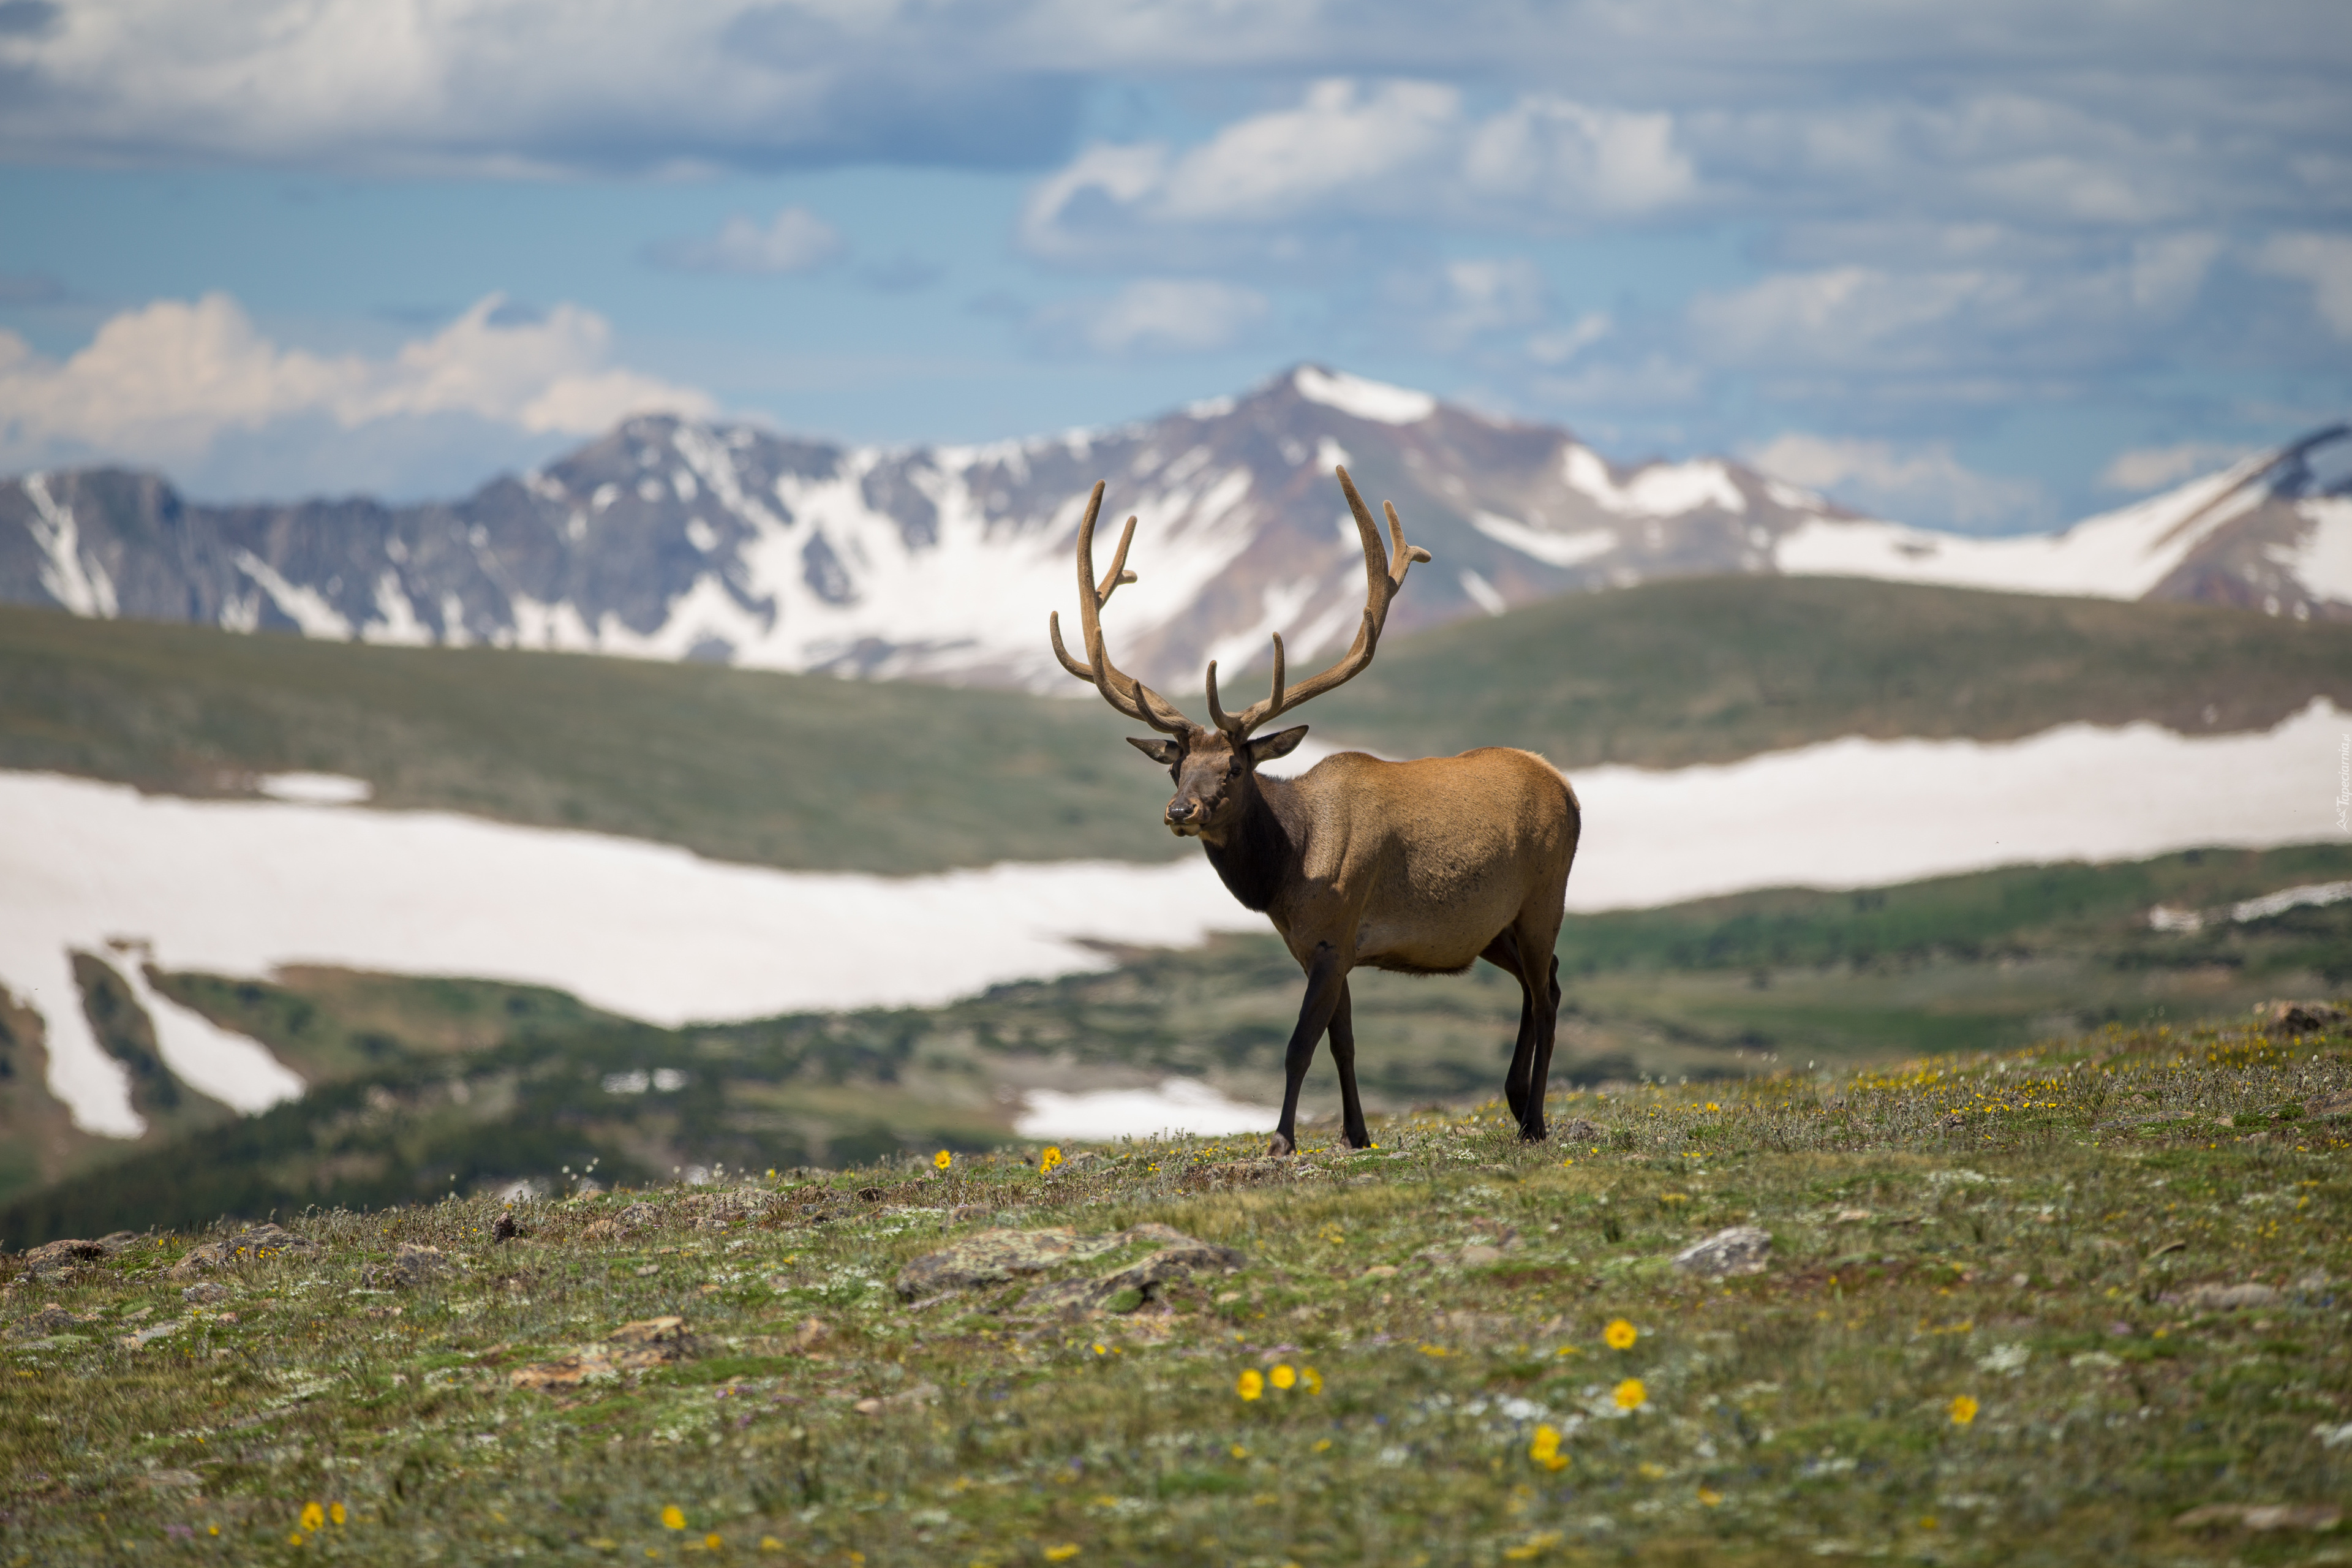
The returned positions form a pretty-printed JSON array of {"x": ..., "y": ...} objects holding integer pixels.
[{"x": 165, "y": 383}]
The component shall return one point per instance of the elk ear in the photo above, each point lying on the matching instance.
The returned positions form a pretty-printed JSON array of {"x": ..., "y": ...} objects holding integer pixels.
[
  {"x": 1281, "y": 743},
  {"x": 1167, "y": 753}
]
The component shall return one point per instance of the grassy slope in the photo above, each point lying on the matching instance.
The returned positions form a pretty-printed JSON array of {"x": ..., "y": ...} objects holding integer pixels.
[
  {"x": 769, "y": 769},
  {"x": 1673, "y": 674},
  {"x": 807, "y": 771},
  {"x": 1725, "y": 987},
  {"x": 2020, "y": 1232}
]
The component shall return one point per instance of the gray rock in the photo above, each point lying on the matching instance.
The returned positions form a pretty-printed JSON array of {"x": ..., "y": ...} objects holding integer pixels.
[
  {"x": 2227, "y": 1297},
  {"x": 253, "y": 1244},
  {"x": 204, "y": 1293},
  {"x": 1742, "y": 1250}
]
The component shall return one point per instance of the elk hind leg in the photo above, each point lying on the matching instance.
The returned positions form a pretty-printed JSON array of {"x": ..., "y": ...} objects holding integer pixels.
[
  {"x": 1343, "y": 1056},
  {"x": 1503, "y": 952},
  {"x": 1541, "y": 981},
  {"x": 1327, "y": 980}
]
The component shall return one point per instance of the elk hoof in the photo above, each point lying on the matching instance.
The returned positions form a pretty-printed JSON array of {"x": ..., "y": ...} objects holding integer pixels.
[{"x": 1280, "y": 1145}]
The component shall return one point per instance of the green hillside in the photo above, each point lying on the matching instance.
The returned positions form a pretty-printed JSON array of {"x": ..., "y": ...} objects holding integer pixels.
[
  {"x": 1673, "y": 674},
  {"x": 802, "y": 772},
  {"x": 811, "y": 772},
  {"x": 429, "y": 1086}
]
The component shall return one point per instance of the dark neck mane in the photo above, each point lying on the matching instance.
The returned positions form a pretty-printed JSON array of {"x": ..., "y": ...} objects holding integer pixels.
[{"x": 1253, "y": 856}]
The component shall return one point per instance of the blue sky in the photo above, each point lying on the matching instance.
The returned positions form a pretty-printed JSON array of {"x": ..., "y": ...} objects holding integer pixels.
[{"x": 1987, "y": 266}]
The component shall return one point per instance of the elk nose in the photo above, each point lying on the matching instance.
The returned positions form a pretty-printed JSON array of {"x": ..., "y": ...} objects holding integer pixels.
[{"x": 1180, "y": 811}]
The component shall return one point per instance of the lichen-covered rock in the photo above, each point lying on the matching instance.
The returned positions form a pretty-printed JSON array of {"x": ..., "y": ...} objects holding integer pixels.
[
  {"x": 2290, "y": 1019},
  {"x": 254, "y": 1244},
  {"x": 994, "y": 1256},
  {"x": 1144, "y": 1276},
  {"x": 627, "y": 1222},
  {"x": 2226, "y": 1297},
  {"x": 204, "y": 1293},
  {"x": 1742, "y": 1250},
  {"x": 632, "y": 1347}
]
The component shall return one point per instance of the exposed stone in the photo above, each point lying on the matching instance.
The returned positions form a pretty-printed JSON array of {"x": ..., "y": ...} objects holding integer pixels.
[
  {"x": 627, "y": 1222},
  {"x": 1144, "y": 1278},
  {"x": 2292, "y": 1018},
  {"x": 632, "y": 1347},
  {"x": 2225, "y": 1298},
  {"x": 724, "y": 1211},
  {"x": 204, "y": 1293},
  {"x": 48, "y": 1320},
  {"x": 913, "y": 1398},
  {"x": 1741, "y": 1249},
  {"x": 994, "y": 1256},
  {"x": 811, "y": 1333},
  {"x": 1478, "y": 1254},
  {"x": 1577, "y": 1130},
  {"x": 504, "y": 1228},
  {"x": 252, "y": 1244},
  {"x": 2260, "y": 1516}
]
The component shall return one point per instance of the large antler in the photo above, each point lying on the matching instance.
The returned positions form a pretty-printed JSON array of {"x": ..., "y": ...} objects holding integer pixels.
[
  {"x": 1121, "y": 691},
  {"x": 1380, "y": 585}
]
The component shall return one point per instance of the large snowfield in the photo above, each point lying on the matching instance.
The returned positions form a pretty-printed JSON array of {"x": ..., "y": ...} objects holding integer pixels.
[{"x": 649, "y": 930}]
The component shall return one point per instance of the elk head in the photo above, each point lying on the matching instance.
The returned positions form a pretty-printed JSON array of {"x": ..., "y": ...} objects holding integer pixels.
[{"x": 1214, "y": 767}]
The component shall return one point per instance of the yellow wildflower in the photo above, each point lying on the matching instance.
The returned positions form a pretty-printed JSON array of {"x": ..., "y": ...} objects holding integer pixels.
[
  {"x": 1283, "y": 1376},
  {"x": 674, "y": 1518},
  {"x": 1631, "y": 1394},
  {"x": 712, "y": 1542},
  {"x": 1545, "y": 1449},
  {"x": 1311, "y": 1378},
  {"x": 335, "y": 1513},
  {"x": 1710, "y": 1496},
  {"x": 1250, "y": 1384},
  {"x": 942, "y": 1160},
  {"x": 313, "y": 1516},
  {"x": 1063, "y": 1553},
  {"x": 770, "y": 1544},
  {"x": 1047, "y": 1161},
  {"x": 1963, "y": 1410},
  {"x": 1621, "y": 1334}
]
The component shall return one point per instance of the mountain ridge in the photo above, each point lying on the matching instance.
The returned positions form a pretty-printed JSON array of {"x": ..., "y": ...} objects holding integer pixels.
[{"x": 682, "y": 540}]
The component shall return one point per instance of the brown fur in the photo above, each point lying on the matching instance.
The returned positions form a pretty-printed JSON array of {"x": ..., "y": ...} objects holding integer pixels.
[{"x": 1418, "y": 867}]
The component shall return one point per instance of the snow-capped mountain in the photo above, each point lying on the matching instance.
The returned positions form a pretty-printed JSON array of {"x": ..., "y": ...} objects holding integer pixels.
[{"x": 672, "y": 539}]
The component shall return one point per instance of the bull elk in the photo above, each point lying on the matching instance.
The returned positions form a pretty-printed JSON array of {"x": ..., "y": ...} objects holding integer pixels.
[{"x": 1421, "y": 867}]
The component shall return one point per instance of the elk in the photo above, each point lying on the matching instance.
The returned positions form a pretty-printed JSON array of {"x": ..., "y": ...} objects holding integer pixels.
[{"x": 1421, "y": 867}]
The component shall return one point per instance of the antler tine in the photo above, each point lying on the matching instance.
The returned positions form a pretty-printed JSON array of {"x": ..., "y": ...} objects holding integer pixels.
[
  {"x": 1137, "y": 700},
  {"x": 1380, "y": 585}
]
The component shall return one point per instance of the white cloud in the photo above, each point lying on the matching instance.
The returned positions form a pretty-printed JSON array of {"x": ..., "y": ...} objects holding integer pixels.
[
  {"x": 2152, "y": 468},
  {"x": 1153, "y": 315},
  {"x": 1923, "y": 484},
  {"x": 794, "y": 240},
  {"x": 1395, "y": 150},
  {"x": 2322, "y": 260},
  {"x": 163, "y": 382}
]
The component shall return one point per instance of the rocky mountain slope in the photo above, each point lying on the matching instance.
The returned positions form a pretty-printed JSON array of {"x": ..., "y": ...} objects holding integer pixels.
[{"x": 670, "y": 539}]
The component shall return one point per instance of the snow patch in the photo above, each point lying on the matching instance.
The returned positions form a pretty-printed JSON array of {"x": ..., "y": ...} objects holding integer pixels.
[
  {"x": 1373, "y": 400},
  {"x": 306, "y": 607},
  {"x": 2120, "y": 554},
  {"x": 1483, "y": 594},
  {"x": 1660, "y": 490},
  {"x": 315, "y": 789},
  {"x": 238, "y": 1072},
  {"x": 1174, "y": 1105},
  {"x": 2322, "y": 559},
  {"x": 82, "y": 587},
  {"x": 1543, "y": 544},
  {"x": 651, "y": 931}
]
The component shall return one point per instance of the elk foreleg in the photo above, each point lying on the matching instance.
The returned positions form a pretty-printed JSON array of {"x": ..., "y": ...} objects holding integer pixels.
[
  {"x": 1327, "y": 981},
  {"x": 1343, "y": 1056}
]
